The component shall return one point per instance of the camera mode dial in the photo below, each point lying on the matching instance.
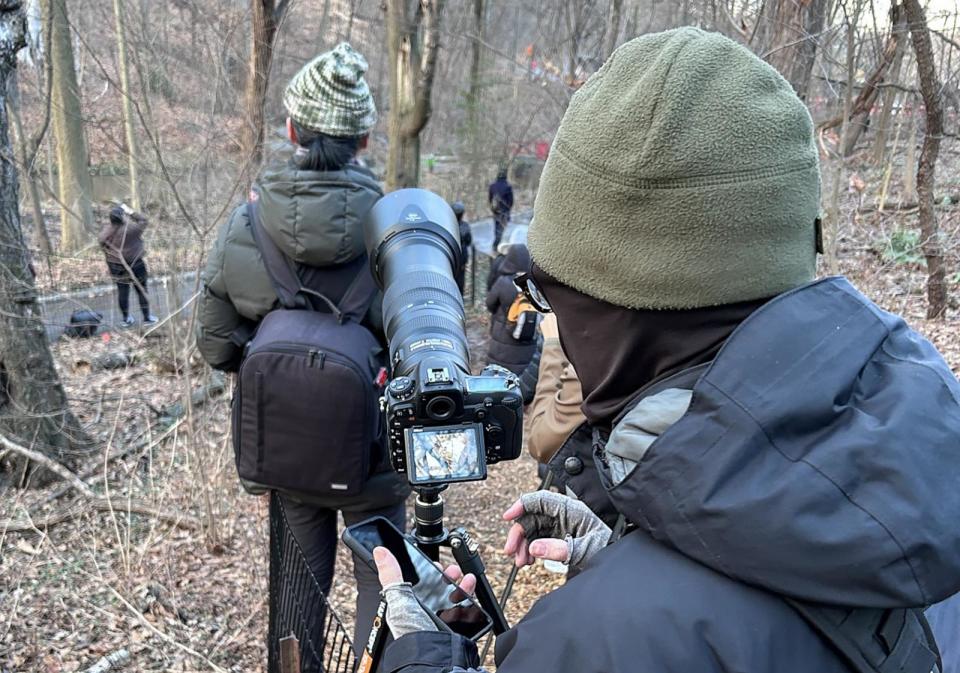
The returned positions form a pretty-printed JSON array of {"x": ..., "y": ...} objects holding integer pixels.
[{"x": 402, "y": 387}]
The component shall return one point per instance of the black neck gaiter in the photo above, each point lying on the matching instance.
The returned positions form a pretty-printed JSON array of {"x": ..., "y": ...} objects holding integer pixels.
[{"x": 617, "y": 351}]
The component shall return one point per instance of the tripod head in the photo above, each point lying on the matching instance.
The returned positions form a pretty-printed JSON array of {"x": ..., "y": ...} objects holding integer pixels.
[{"x": 430, "y": 533}]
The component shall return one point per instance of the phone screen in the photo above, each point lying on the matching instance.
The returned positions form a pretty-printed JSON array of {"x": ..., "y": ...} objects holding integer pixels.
[
  {"x": 445, "y": 454},
  {"x": 435, "y": 592}
]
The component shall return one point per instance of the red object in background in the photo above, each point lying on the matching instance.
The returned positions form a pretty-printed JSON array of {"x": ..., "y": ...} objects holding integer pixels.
[
  {"x": 381, "y": 379},
  {"x": 542, "y": 149},
  {"x": 105, "y": 337}
]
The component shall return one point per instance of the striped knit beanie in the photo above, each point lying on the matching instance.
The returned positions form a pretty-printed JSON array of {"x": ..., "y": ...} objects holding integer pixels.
[{"x": 329, "y": 95}]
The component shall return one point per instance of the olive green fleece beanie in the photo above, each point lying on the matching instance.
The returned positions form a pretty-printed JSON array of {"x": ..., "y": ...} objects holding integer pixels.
[{"x": 684, "y": 174}]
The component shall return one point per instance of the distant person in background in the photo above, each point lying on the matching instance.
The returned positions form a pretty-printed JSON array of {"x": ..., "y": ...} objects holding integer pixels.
[
  {"x": 466, "y": 243},
  {"x": 513, "y": 326},
  {"x": 500, "y": 196},
  {"x": 122, "y": 241}
]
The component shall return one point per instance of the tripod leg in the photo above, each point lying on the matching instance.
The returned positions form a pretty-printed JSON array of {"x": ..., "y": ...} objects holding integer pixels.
[
  {"x": 467, "y": 555},
  {"x": 508, "y": 587}
]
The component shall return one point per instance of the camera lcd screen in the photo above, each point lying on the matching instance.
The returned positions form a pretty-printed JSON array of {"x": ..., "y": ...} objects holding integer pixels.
[
  {"x": 440, "y": 455},
  {"x": 434, "y": 591}
]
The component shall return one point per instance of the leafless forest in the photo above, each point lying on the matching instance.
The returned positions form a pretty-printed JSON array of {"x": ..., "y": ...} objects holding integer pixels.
[{"x": 124, "y": 532}]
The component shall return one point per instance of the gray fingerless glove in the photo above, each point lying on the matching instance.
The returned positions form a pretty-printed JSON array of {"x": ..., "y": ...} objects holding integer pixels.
[
  {"x": 404, "y": 613},
  {"x": 548, "y": 514}
]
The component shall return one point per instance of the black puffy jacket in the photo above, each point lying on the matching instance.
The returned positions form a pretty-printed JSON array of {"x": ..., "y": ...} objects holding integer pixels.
[
  {"x": 504, "y": 349},
  {"x": 818, "y": 459}
]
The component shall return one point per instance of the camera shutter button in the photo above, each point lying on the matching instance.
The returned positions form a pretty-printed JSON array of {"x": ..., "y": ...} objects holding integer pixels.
[{"x": 573, "y": 466}]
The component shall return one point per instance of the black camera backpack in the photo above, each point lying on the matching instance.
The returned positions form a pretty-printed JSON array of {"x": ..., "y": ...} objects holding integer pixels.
[
  {"x": 306, "y": 409},
  {"x": 83, "y": 324}
]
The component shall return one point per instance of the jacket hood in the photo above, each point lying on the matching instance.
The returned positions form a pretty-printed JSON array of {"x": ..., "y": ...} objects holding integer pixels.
[
  {"x": 316, "y": 217},
  {"x": 517, "y": 260},
  {"x": 819, "y": 457}
]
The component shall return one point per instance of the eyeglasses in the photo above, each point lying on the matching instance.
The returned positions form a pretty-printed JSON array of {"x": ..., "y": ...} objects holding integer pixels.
[{"x": 526, "y": 284}]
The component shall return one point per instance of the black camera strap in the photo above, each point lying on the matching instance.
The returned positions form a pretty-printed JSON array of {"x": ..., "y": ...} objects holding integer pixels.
[{"x": 287, "y": 283}]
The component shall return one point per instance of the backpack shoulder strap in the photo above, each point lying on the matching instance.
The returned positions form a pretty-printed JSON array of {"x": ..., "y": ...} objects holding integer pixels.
[
  {"x": 875, "y": 640},
  {"x": 357, "y": 299},
  {"x": 281, "y": 269}
]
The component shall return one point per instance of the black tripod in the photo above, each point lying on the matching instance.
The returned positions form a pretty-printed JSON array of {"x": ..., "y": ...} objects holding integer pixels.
[{"x": 430, "y": 534}]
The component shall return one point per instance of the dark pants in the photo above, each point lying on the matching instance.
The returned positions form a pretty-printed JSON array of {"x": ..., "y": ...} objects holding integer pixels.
[
  {"x": 122, "y": 278},
  {"x": 315, "y": 529},
  {"x": 500, "y": 221}
]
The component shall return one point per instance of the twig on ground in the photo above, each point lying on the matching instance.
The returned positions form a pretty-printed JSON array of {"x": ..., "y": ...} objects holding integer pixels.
[
  {"x": 160, "y": 634},
  {"x": 50, "y": 464},
  {"x": 111, "y": 662},
  {"x": 100, "y": 504}
]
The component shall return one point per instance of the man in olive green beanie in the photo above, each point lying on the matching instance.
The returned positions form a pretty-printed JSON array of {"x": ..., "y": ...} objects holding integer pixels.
[
  {"x": 766, "y": 481},
  {"x": 684, "y": 174}
]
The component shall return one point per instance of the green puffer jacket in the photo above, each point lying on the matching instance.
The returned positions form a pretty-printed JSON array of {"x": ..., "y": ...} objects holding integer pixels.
[{"x": 316, "y": 218}]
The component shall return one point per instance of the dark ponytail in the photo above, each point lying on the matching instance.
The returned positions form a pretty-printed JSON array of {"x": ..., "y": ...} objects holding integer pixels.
[{"x": 321, "y": 152}]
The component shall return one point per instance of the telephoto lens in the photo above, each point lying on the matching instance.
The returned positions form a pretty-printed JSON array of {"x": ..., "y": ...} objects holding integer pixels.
[{"x": 413, "y": 240}]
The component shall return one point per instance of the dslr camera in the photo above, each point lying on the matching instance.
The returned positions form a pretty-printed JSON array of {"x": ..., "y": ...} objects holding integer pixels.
[{"x": 444, "y": 425}]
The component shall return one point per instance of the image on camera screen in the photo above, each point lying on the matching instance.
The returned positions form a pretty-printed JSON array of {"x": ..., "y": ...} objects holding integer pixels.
[{"x": 445, "y": 454}]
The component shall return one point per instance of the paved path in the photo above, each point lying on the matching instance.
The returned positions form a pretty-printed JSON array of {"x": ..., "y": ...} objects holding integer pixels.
[
  {"x": 483, "y": 230},
  {"x": 56, "y": 308}
]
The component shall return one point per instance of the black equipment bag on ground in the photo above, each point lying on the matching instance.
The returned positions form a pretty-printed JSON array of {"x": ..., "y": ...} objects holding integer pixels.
[
  {"x": 306, "y": 409},
  {"x": 874, "y": 640},
  {"x": 83, "y": 324}
]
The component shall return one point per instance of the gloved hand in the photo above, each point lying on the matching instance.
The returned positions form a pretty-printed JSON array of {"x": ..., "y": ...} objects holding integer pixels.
[
  {"x": 555, "y": 527},
  {"x": 404, "y": 613}
]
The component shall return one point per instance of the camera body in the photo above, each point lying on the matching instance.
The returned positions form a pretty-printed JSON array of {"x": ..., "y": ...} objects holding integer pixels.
[
  {"x": 444, "y": 425},
  {"x": 441, "y": 398}
]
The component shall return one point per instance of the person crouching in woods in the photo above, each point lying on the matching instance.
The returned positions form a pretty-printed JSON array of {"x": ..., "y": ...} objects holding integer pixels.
[
  {"x": 784, "y": 453},
  {"x": 513, "y": 323},
  {"x": 122, "y": 241},
  {"x": 310, "y": 212}
]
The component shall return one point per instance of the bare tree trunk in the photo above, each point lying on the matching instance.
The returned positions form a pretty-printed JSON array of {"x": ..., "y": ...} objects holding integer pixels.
[
  {"x": 266, "y": 17},
  {"x": 33, "y": 406},
  {"x": 75, "y": 185},
  {"x": 868, "y": 96},
  {"x": 860, "y": 111},
  {"x": 927, "y": 166},
  {"x": 413, "y": 41},
  {"x": 473, "y": 95},
  {"x": 613, "y": 28},
  {"x": 832, "y": 225},
  {"x": 787, "y": 35},
  {"x": 29, "y": 179},
  {"x": 889, "y": 96},
  {"x": 129, "y": 124},
  {"x": 909, "y": 194}
]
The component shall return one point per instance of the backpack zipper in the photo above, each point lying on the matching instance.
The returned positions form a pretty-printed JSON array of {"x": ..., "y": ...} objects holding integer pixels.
[{"x": 313, "y": 355}]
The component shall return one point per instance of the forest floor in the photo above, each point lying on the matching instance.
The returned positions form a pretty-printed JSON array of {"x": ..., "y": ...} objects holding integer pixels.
[{"x": 183, "y": 586}]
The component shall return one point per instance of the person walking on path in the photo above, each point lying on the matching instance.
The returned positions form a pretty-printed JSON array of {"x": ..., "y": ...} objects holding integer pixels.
[
  {"x": 122, "y": 241},
  {"x": 500, "y": 196},
  {"x": 312, "y": 209}
]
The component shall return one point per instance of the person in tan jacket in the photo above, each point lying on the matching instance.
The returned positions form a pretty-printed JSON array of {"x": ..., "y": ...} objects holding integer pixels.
[{"x": 555, "y": 411}]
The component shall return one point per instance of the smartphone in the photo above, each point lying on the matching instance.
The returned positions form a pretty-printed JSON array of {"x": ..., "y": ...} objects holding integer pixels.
[{"x": 449, "y": 607}]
